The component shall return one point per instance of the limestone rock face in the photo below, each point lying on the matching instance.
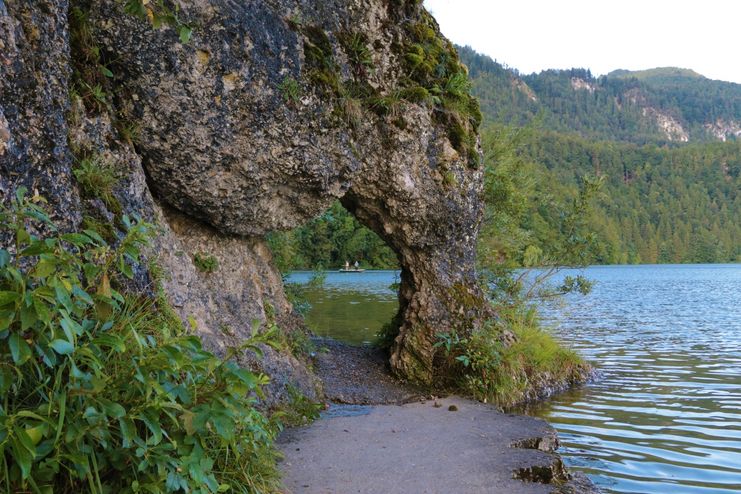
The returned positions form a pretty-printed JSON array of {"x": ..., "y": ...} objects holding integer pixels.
[
  {"x": 34, "y": 72},
  {"x": 256, "y": 125},
  {"x": 242, "y": 295},
  {"x": 269, "y": 113}
]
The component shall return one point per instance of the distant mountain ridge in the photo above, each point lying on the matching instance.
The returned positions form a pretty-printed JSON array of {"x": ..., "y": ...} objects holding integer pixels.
[
  {"x": 661, "y": 105},
  {"x": 657, "y": 73}
]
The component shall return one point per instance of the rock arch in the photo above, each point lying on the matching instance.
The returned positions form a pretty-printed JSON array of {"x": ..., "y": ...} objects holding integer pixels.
[{"x": 275, "y": 109}]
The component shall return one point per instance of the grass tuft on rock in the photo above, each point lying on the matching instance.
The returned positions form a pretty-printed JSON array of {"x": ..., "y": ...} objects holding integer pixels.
[
  {"x": 97, "y": 178},
  {"x": 533, "y": 366},
  {"x": 512, "y": 361}
]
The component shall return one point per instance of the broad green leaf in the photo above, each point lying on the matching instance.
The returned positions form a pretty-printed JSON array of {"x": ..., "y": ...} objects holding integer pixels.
[
  {"x": 42, "y": 311},
  {"x": 19, "y": 349},
  {"x": 4, "y": 258},
  {"x": 62, "y": 295},
  {"x": 105, "y": 71},
  {"x": 82, "y": 295},
  {"x": 6, "y": 319},
  {"x": 224, "y": 427},
  {"x": 28, "y": 317},
  {"x": 70, "y": 327},
  {"x": 35, "y": 249},
  {"x": 36, "y": 434},
  {"x": 22, "y": 455},
  {"x": 113, "y": 410},
  {"x": 48, "y": 356},
  {"x": 151, "y": 420},
  {"x": 8, "y": 297},
  {"x": 128, "y": 431},
  {"x": 22, "y": 237},
  {"x": 62, "y": 347},
  {"x": 95, "y": 236},
  {"x": 44, "y": 268}
]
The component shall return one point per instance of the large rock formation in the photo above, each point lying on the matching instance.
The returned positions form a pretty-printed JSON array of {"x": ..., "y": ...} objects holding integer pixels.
[
  {"x": 34, "y": 75},
  {"x": 271, "y": 111}
]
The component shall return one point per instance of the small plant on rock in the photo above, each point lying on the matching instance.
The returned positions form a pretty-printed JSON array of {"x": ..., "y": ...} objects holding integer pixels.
[
  {"x": 290, "y": 89},
  {"x": 205, "y": 263},
  {"x": 299, "y": 410},
  {"x": 97, "y": 178}
]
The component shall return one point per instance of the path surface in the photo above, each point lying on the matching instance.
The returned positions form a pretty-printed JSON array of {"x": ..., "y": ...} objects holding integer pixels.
[
  {"x": 447, "y": 446},
  {"x": 359, "y": 375}
]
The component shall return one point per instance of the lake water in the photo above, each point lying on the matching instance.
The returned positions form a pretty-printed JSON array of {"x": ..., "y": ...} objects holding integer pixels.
[{"x": 666, "y": 415}]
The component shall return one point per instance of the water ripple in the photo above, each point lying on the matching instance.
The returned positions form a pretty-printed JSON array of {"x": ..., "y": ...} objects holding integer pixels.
[{"x": 666, "y": 417}]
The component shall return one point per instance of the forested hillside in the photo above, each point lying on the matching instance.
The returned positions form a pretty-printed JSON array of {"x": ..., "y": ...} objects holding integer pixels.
[
  {"x": 653, "y": 106},
  {"x": 656, "y": 205}
]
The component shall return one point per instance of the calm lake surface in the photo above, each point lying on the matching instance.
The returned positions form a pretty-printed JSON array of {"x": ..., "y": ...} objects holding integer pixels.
[{"x": 666, "y": 415}]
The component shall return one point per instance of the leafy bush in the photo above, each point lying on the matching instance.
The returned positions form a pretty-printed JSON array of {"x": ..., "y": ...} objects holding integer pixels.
[
  {"x": 101, "y": 392},
  {"x": 205, "y": 263},
  {"x": 532, "y": 366}
]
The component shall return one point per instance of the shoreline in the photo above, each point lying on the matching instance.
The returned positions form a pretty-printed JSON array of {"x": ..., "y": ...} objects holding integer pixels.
[{"x": 382, "y": 435}]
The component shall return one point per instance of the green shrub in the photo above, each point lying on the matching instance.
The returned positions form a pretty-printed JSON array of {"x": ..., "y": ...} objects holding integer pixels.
[
  {"x": 101, "y": 392},
  {"x": 530, "y": 367},
  {"x": 205, "y": 263}
]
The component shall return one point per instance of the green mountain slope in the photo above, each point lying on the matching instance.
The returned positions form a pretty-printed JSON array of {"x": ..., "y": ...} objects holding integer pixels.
[
  {"x": 665, "y": 105},
  {"x": 662, "y": 200},
  {"x": 657, "y": 204},
  {"x": 656, "y": 75}
]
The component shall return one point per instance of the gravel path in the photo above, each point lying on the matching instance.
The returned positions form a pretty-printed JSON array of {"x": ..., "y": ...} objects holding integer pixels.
[
  {"x": 359, "y": 375},
  {"x": 411, "y": 443}
]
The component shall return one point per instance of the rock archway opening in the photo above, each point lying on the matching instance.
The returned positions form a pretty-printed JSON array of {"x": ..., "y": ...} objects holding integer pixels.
[
  {"x": 344, "y": 278},
  {"x": 249, "y": 143}
]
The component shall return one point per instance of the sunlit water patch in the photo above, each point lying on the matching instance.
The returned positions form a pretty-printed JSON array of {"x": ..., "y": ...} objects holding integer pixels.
[
  {"x": 350, "y": 307},
  {"x": 666, "y": 415}
]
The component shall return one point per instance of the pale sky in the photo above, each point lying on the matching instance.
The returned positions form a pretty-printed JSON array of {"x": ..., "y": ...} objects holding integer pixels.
[{"x": 601, "y": 35}]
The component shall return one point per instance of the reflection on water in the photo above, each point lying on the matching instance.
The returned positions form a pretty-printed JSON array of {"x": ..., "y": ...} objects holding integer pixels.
[
  {"x": 350, "y": 307},
  {"x": 666, "y": 416}
]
